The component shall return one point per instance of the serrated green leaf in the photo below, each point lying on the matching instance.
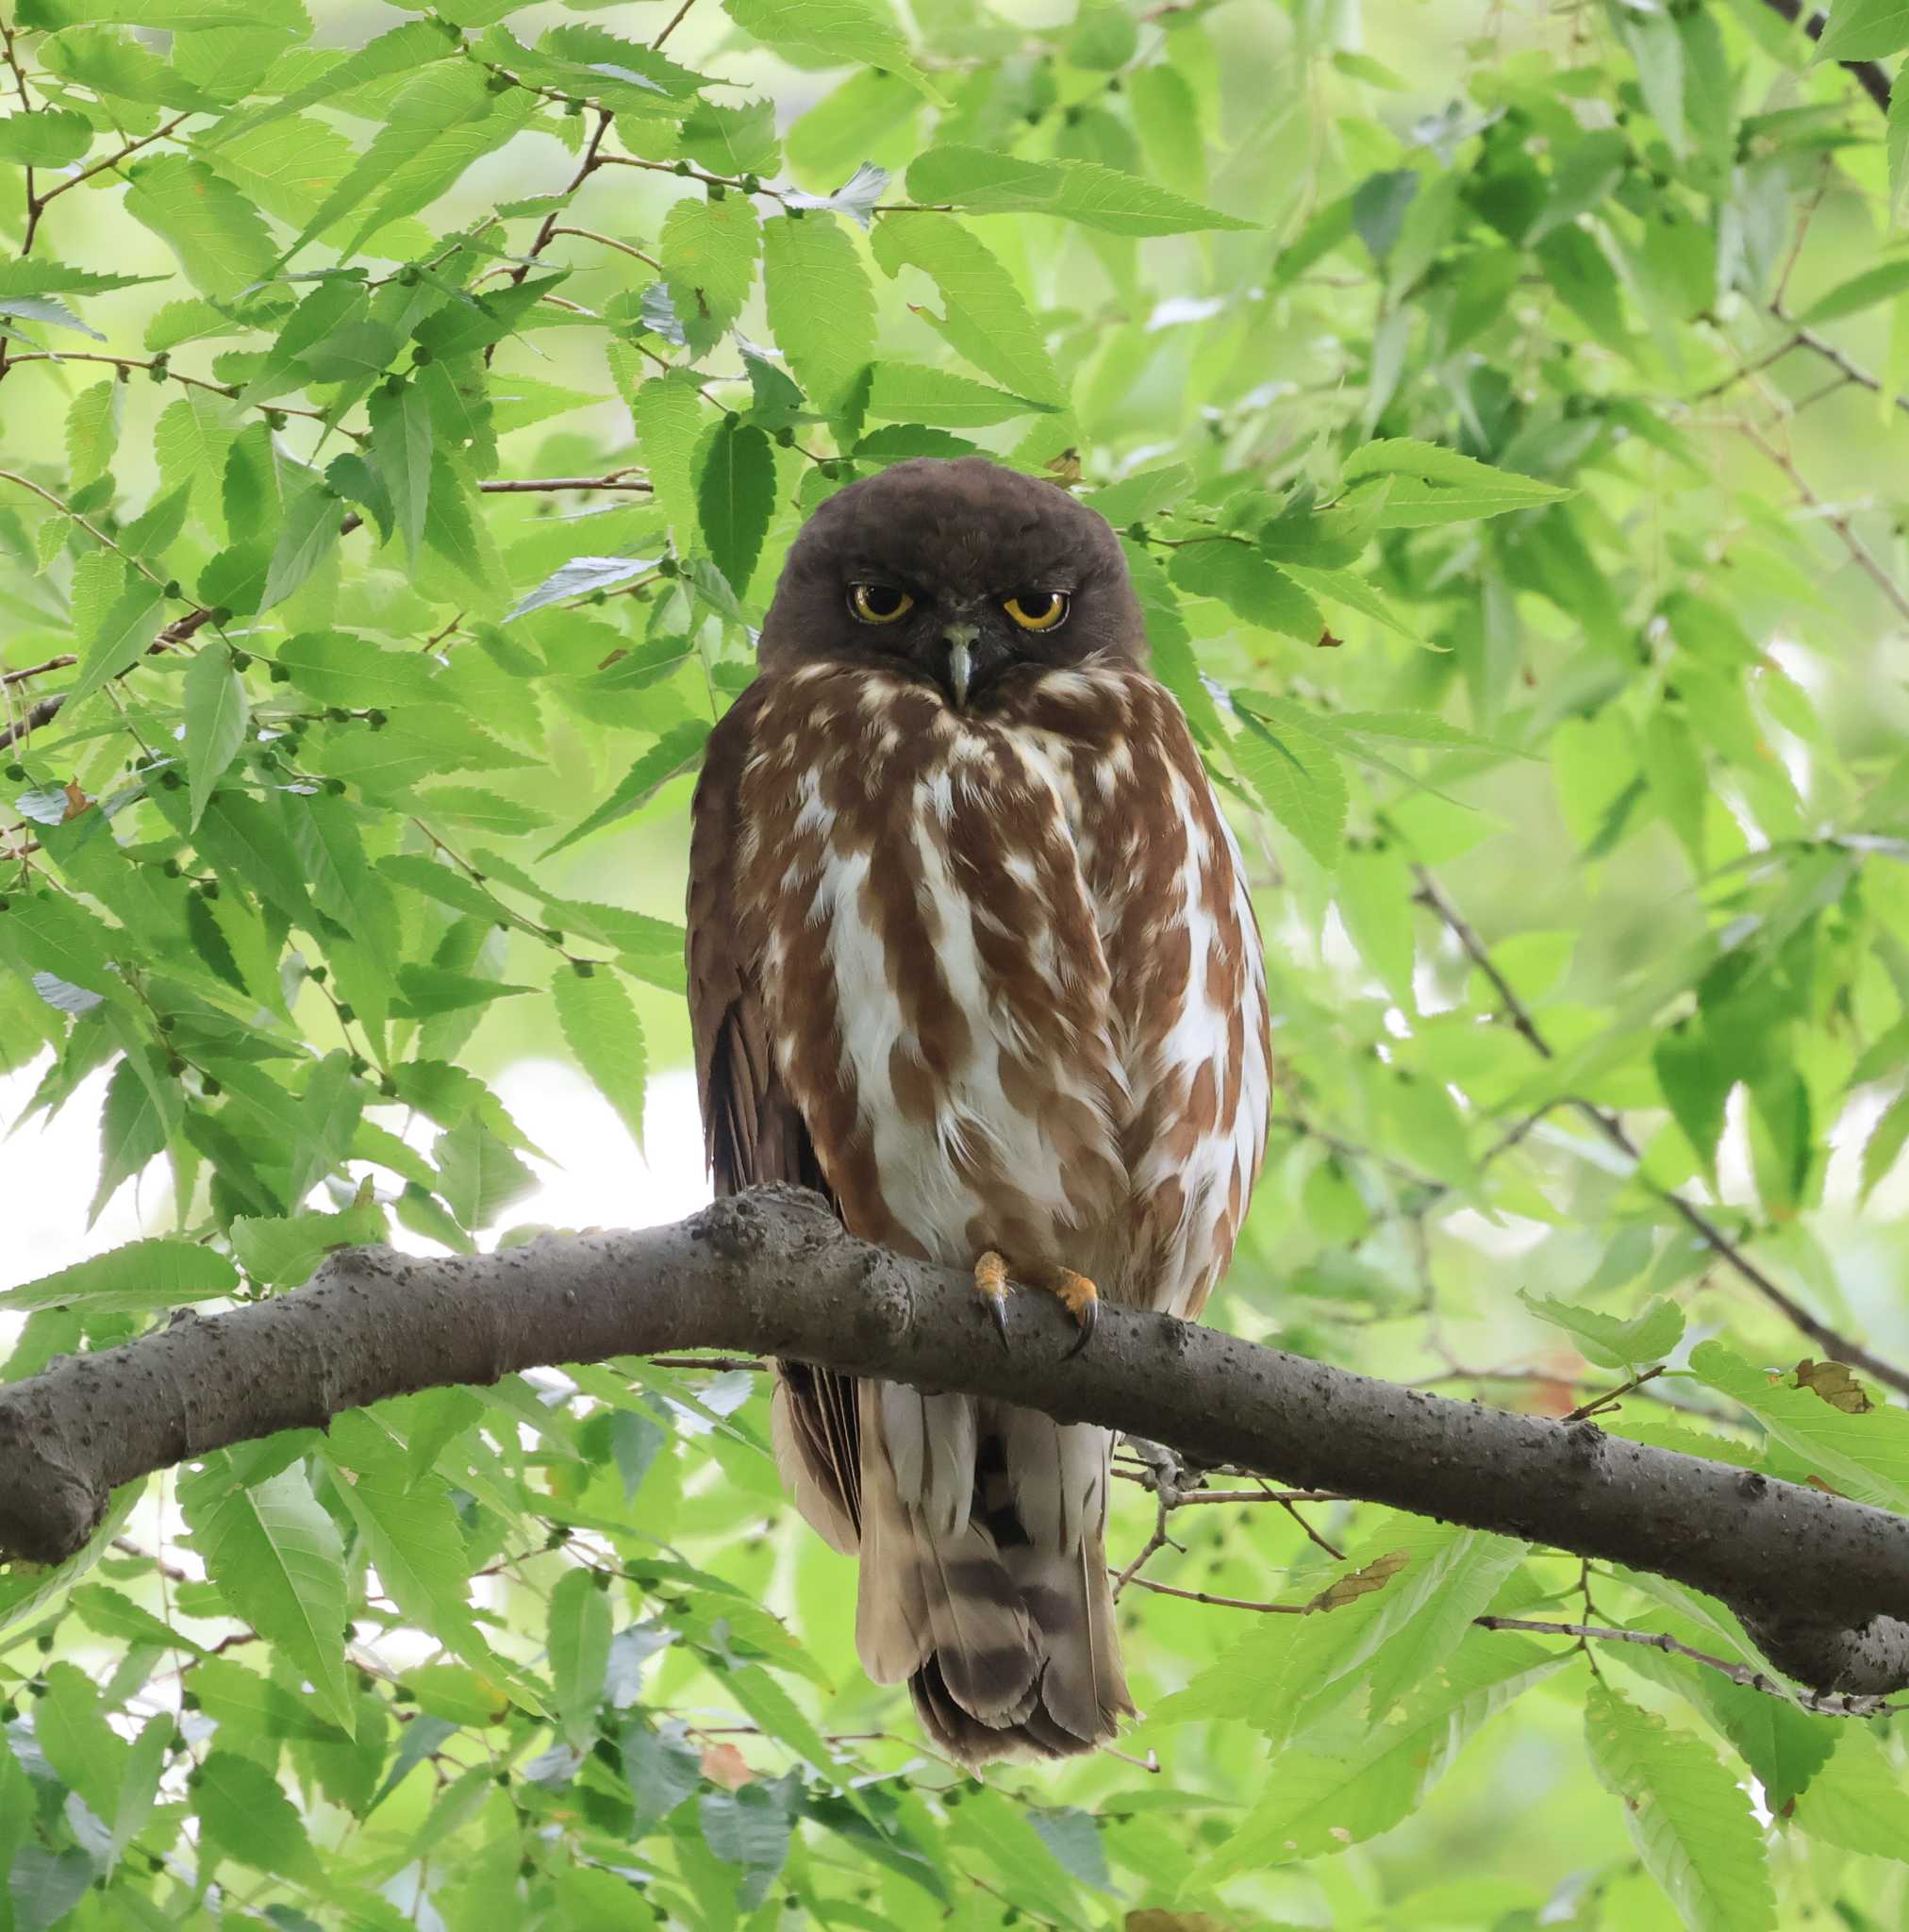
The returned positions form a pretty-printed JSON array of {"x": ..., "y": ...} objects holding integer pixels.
[
  {"x": 218, "y": 720},
  {"x": 1691, "y": 1825},
  {"x": 243, "y": 1814},
  {"x": 1863, "y": 1457},
  {"x": 1249, "y": 585},
  {"x": 844, "y": 32},
  {"x": 1350, "y": 1786},
  {"x": 579, "y": 1639},
  {"x": 986, "y": 182},
  {"x": 600, "y": 1024},
  {"x": 219, "y": 237},
  {"x": 821, "y": 305},
  {"x": 1647, "y": 1337},
  {"x": 275, "y": 1556},
  {"x": 122, "y": 638},
  {"x": 1294, "y": 772},
  {"x": 669, "y": 758},
  {"x": 736, "y": 498},
  {"x": 153, "y": 1273}
]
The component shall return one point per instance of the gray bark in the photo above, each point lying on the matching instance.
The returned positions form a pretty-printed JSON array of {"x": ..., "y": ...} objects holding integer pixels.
[{"x": 1822, "y": 1582}]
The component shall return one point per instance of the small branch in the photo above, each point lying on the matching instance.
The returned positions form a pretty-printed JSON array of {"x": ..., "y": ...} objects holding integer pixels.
[
  {"x": 1840, "y": 1347},
  {"x": 1832, "y": 1704},
  {"x": 1860, "y": 553},
  {"x": 675, "y": 21},
  {"x": 21, "y": 675},
  {"x": 1223, "y": 1602},
  {"x": 512, "y": 485},
  {"x": 611, "y": 241},
  {"x": 1822, "y": 1581},
  {"x": 48, "y": 708}
]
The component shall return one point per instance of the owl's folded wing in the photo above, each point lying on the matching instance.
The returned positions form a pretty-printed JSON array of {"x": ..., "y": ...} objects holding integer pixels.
[{"x": 752, "y": 1131}]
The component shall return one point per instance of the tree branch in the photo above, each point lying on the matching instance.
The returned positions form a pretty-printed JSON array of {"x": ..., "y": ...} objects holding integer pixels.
[{"x": 1824, "y": 1581}]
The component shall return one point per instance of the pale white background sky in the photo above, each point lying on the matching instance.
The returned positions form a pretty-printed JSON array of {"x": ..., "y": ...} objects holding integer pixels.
[{"x": 595, "y": 1177}]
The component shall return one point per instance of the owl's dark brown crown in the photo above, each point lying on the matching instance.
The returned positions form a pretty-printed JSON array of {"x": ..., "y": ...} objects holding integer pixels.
[{"x": 949, "y": 567}]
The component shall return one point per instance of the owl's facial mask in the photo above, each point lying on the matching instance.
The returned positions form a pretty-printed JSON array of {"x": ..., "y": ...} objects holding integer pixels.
[{"x": 965, "y": 574}]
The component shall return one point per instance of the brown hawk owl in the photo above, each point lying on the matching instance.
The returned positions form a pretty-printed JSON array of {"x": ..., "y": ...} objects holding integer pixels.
[{"x": 971, "y": 951}]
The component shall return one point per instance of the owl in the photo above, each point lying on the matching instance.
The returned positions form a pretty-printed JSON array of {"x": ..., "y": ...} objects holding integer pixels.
[{"x": 971, "y": 951}]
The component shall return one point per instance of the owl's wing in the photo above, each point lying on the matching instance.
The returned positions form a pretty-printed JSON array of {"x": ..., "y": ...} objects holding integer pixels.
[{"x": 752, "y": 1131}]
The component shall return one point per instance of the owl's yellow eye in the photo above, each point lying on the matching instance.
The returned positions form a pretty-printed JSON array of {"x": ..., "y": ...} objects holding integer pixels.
[
  {"x": 1037, "y": 610},
  {"x": 879, "y": 603}
]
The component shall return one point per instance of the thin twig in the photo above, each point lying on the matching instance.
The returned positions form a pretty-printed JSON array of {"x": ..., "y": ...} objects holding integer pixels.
[
  {"x": 674, "y": 22},
  {"x": 1838, "y": 521},
  {"x": 1840, "y": 1347},
  {"x": 1871, "y": 75},
  {"x": 611, "y": 241},
  {"x": 21, "y": 675},
  {"x": 512, "y": 485},
  {"x": 1223, "y": 1602},
  {"x": 1830, "y": 1704}
]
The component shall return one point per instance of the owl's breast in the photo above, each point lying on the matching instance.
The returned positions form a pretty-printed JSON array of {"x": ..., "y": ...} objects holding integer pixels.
[{"x": 941, "y": 1008}]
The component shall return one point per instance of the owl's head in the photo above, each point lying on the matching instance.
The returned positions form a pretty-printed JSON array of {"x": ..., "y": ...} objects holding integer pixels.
[{"x": 970, "y": 576}]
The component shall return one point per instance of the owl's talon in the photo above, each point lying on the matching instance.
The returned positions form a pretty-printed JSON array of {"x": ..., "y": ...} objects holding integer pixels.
[
  {"x": 1088, "y": 1315},
  {"x": 990, "y": 1284}
]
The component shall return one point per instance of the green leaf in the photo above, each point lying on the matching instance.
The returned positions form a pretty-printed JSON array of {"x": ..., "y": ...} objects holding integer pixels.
[
  {"x": 736, "y": 498},
  {"x": 985, "y": 317},
  {"x": 1350, "y": 1786},
  {"x": 1691, "y": 1825},
  {"x": 338, "y": 668},
  {"x": 122, "y": 639},
  {"x": 1607, "y": 1341},
  {"x": 843, "y": 32},
  {"x": 401, "y": 451},
  {"x": 1249, "y": 586},
  {"x": 219, "y": 237},
  {"x": 600, "y": 1024},
  {"x": 1433, "y": 484},
  {"x": 1294, "y": 773},
  {"x": 672, "y": 754},
  {"x": 153, "y": 1273},
  {"x": 411, "y": 1532},
  {"x": 51, "y": 138},
  {"x": 1863, "y": 1457},
  {"x": 708, "y": 250},
  {"x": 143, "y": 1110},
  {"x": 275, "y": 1556},
  {"x": 1864, "y": 30},
  {"x": 1886, "y": 1140},
  {"x": 1858, "y": 1800},
  {"x": 1880, "y": 284},
  {"x": 579, "y": 1636},
  {"x": 479, "y": 1177},
  {"x": 244, "y": 1815},
  {"x": 218, "y": 720},
  {"x": 282, "y": 1251},
  {"x": 309, "y": 536},
  {"x": 86, "y": 1751},
  {"x": 110, "y": 1613},
  {"x": 985, "y": 182},
  {"x": 821, "y": 306},
  {"x": 912, "y": 392}
]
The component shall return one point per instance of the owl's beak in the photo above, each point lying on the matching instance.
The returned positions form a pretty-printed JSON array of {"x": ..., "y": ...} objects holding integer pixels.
[{"x": 959, "y": 637}]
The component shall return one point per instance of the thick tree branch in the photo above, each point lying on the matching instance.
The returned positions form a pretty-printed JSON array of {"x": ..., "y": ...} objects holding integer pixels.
[{"x": 1825, "y": 1582}]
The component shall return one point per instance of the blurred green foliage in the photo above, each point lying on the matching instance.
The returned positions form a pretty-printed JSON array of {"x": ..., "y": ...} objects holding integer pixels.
[{"x": 404, "y": 421}]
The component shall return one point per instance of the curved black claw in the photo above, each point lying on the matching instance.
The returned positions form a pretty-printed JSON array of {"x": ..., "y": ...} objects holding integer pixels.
[
  {"x": 1087, "y": 1317},
  {"x": 997, "y": 1307}
]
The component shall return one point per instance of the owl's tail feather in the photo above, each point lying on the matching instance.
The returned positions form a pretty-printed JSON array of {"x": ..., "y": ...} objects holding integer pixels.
[{"x": 998, "y": 1613}]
